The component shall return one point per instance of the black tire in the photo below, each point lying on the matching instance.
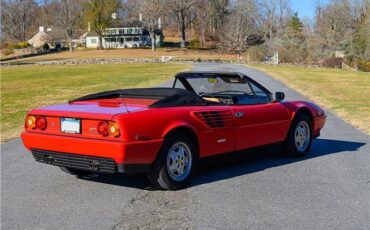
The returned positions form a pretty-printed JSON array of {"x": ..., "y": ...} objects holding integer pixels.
[
  {"x": 290, "y": 148},
  {"x": 160, "y": 175},
  {"x": 75, "y": 172}
]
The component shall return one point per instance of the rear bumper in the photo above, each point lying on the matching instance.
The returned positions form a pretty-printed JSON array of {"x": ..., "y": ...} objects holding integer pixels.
[
  {"x": 85, "y": 162},
  {"x": 127, "y": 156},
  {"x": 319, "y": 123}
]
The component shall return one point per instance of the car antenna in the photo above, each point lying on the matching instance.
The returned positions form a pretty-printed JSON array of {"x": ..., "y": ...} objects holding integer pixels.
[{"x": 124, "y": 102}]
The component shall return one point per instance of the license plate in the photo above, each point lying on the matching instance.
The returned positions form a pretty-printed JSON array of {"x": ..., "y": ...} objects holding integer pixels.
[{"x": 70, "y": 125}]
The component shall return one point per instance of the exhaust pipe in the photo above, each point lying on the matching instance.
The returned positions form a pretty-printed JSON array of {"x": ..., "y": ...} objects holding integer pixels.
[{"x": 95, "y": 165}]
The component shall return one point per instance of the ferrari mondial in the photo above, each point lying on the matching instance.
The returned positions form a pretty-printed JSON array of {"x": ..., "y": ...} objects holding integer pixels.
[{"x": 165, "y": 131}]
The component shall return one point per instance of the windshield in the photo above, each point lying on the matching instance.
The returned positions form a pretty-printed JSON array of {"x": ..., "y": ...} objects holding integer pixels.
[
  {"x": 226, "y": 89},
  {"x": 219, "y": 85}
]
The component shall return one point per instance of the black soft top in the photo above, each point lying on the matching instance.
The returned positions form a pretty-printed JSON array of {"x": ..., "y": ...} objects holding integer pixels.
[{"x": 168, "y": 97}]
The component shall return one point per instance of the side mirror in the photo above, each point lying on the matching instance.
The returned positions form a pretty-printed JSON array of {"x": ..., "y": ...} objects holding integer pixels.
[{"x": 279, "y": 96}]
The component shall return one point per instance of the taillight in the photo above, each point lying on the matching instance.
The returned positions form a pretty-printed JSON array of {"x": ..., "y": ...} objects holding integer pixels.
[
  {"x": 30, "y": 122},
  {"x": 106, "y": 128},
  {"x": 35, "y": 122},
  {"x": 41, "y": 122},
  {"x": 103, "y": 127},
  {"x": 114, "y": 129}
]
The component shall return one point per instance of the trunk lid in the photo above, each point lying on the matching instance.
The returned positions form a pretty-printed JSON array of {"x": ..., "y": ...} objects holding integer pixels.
[{"x": 102, "y": 109}]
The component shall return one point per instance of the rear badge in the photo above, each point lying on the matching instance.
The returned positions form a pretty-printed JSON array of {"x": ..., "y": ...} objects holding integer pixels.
[
  {"x": 221, "y": 140},
  {"x": 93, "y": 130}
]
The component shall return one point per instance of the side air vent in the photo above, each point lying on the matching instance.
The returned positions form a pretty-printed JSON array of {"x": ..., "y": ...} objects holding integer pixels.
[{"x": 215, "y": 119}]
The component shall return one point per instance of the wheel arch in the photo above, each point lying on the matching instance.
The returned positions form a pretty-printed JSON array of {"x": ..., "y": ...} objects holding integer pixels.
[
  {"x": 184, "y": 129},
  {"x": 304, "y": 110}
]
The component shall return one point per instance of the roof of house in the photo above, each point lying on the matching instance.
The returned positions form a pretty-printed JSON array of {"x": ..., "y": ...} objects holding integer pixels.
[
  {"x": 91, "y": 34},
  {"x": 47, "y": 36},
  {"x": 40, "y": 36},
  {"x": 56, "y": 34},
  {"x": 128, "y": 23}
]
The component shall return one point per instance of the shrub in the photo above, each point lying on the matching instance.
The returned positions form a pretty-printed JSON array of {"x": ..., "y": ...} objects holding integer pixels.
[
  {"x": 331, "y": 62},
  {"x": 8, "y": 51},
  {"x": 58, "y": 46},
  {"x": 12, "y": 46},
  {"x": 257, "y": 53},
  {"x": 46, "y": 46},
  {"x": 22, "y": 45},
  {"x": 364, "y": 66},
  {"x": 194, "y": 44}
]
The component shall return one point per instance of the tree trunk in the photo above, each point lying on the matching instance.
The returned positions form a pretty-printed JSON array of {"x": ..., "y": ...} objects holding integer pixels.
[
  {"x": 203, "y": 34},
  {"x": 183, "y": 31},
  {"x": 183, "y": 38},
  {"x": 100, "y": 42},
  {"x": 70, "y": 44},
  {"x": 152, "y": 37}
]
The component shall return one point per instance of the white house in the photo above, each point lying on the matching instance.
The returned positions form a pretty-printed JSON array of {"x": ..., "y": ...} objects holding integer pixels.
[{"x": 132, "y": 35}]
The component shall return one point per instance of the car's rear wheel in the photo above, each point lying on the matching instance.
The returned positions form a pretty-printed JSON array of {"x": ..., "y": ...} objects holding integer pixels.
[
  {"x": 299, "y": 138},
  {"x": 176, "y": 163},
  {"x": 76, "y": 172}
]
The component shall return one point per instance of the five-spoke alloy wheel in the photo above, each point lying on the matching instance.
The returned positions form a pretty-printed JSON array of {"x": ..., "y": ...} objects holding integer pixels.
[
  {"x": 179, "y": 161},
  {"x": 176, "y": 163},
  {"x": 299, "y": 139}
]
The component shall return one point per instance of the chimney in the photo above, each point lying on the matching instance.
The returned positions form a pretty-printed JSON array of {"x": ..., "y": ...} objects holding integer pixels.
[
  {"x": 140, "y": 17},
  {"x": 114, "y": 15},
  {"x": 159, "y": 23},
  {"x": 48, "y": 29},
  {"x": 41, "y": 29}
]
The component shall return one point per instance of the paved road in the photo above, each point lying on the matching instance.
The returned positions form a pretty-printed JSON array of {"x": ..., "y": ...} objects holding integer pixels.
[{"x": 330, "y": 189}]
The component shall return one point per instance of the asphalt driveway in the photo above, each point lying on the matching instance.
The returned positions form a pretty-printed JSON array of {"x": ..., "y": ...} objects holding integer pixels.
[{"x": 329, "y": 189}]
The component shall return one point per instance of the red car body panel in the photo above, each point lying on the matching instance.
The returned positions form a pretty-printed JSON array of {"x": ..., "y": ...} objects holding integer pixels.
[{"x": 143, "y": 128}]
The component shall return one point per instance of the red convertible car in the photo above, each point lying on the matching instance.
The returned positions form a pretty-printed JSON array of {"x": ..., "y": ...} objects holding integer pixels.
[{"x": 165, "y": 131}]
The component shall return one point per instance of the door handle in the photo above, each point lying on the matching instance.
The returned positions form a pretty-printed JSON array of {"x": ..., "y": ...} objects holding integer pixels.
[{"x": 239, "y": 114}]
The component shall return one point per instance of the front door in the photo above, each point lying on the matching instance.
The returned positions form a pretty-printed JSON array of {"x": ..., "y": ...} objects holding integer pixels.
[
  {"x": 261, "y": 121},
  {"x": 260, "y": 124}
]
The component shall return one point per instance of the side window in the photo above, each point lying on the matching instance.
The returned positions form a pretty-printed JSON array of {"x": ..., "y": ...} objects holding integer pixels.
[
  {"x": 261, "y": 95},
  {"x": 178, "y": 85},
  {"x": 247, "y": 98}
]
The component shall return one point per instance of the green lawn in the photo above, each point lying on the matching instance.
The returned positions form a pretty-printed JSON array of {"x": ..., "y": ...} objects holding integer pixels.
[
  {"x": 345, "y": 93},
  {"x": 27, "y": 87}
]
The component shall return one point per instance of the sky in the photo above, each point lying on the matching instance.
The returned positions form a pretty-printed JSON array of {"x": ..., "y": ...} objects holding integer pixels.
[{"x": 305, "y": 8}]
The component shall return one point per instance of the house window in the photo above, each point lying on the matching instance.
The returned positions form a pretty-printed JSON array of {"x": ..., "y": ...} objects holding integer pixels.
[
  {"x": 129, "y": 31},
  {"x": 113, "y": 32},
  {"x": 136, "y": 39},
  {"x": 121, "y": 31},
  {"x": 93, "y": 40}
]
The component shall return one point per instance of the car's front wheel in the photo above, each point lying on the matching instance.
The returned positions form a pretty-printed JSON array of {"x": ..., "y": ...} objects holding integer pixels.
[
  {"x": 299, "y": 139},
  {"x": 176, "y": 163}
]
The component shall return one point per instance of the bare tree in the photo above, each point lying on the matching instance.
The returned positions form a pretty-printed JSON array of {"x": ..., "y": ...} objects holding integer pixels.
[
  {"x": 48, "y": 12},
  {"x": 151, "y": 11},
  {"x": 17, "y": 17},
  {"x": 70, "y": 17},
  {"x": 240, "y": 26},
  {"x": 183, "y": 12},
  {"x": 210, "y": 15},
  {"x": 99, "y": 14}
]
